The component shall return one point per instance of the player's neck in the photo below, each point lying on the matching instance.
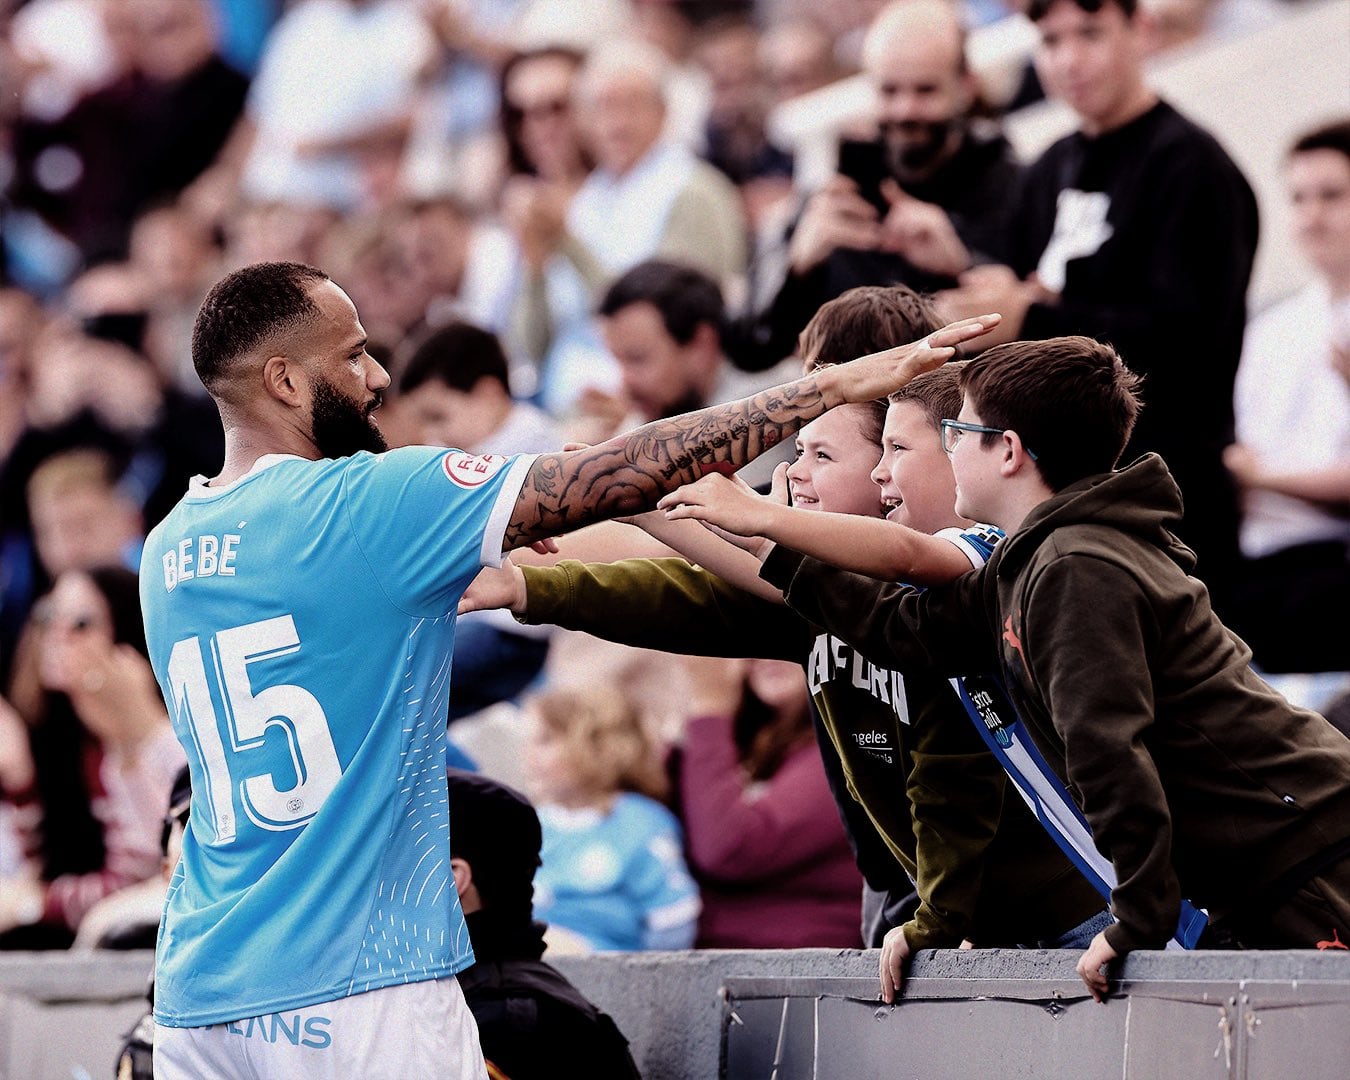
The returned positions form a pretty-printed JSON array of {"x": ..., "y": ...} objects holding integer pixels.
[{"x": 244, "y": 446}]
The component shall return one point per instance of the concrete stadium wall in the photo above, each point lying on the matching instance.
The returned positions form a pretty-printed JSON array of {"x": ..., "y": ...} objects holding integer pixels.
[{"x": 814, "y": 1013}]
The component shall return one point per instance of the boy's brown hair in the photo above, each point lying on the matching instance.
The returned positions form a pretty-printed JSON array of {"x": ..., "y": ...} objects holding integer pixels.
[
  {"x": 1071, "y": 399},
  {"x": 865, "y": 320},
  {"x": 862, "y": 321},
  {"x": 937, "y": 392}
]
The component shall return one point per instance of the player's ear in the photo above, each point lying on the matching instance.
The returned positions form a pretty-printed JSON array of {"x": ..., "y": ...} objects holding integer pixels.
[
  {"x": 284, "y": 379},
  {"x": 463, "y": 875}
]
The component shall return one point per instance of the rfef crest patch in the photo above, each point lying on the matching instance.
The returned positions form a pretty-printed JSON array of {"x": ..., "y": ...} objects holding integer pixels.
[{"x": 470, "y": 470}]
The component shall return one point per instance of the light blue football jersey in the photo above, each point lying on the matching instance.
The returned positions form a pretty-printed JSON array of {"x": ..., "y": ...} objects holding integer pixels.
[
  {"x": 617, "y": 878},
  {"x": 300, "y": 623}
]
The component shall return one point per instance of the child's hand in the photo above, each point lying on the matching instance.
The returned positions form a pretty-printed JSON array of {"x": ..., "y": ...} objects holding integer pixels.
[
  {"x": 495, "y": 587},
  {"x": 894, "y": 953},
  {"x": 1092, "y": 967},
  {"x": 727, "y": 502},
  {"x": 757, "y": 546}
]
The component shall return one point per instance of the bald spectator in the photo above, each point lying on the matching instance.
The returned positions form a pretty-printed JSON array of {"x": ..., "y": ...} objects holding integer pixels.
[
  {"x": 647, "y": 197},
  {"x": 917, "y": 205}
]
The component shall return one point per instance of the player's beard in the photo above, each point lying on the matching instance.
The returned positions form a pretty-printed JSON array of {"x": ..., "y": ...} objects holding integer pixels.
[{"x": 342, "y": 427}]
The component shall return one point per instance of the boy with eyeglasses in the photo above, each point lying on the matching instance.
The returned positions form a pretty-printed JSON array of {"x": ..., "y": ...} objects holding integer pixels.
[{"x": 1197, "y": 778}]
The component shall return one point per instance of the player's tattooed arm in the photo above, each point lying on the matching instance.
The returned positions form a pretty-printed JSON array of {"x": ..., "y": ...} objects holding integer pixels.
[{"x": 629, "y": 473}]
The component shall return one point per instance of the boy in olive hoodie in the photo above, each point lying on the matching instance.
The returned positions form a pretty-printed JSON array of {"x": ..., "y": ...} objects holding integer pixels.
[{"x": 1196, "y": 777}]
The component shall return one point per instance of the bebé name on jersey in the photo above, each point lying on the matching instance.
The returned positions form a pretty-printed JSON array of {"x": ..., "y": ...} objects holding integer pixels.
[{"x": 200, "y": 557}]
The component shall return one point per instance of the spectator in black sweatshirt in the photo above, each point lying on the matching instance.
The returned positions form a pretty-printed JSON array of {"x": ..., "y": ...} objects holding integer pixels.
[{"x": 1138, "y": 230}]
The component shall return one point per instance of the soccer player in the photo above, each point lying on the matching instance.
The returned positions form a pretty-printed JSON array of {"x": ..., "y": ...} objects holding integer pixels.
[{"x": 300, "y": 614}]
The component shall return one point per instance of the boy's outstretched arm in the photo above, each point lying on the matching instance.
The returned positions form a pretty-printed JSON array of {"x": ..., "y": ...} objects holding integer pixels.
[
  {"x": 733, "y": 564},
  {"x": 893, "y": 625},
  {"x": 872, "y": 546},
  {"x": 736, "y": 563},
  {"x": 629, "y": 473}
]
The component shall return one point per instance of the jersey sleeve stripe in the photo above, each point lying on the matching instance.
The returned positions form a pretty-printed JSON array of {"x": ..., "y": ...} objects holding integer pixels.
[{"x": 495, "y": 532}]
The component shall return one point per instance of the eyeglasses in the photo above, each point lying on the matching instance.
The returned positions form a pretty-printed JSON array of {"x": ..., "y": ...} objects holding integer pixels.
[{"x": 953, "y": 429}]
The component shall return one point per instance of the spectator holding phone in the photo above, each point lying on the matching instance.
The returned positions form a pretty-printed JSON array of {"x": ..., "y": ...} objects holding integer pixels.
[{"x": 917, "y": 205}]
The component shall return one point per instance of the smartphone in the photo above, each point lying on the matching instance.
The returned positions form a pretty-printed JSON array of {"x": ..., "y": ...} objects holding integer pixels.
[{"x": 865, "y": 164}]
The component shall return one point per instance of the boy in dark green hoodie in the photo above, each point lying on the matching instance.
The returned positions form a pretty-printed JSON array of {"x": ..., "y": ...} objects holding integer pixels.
[{"x": 1197, "y": 778}]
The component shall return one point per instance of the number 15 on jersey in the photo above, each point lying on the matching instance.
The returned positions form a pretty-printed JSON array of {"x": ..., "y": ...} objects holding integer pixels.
[{"x": 291, "y": 709}]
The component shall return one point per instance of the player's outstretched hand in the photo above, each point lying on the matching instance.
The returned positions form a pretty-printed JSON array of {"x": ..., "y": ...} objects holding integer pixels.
[
  {"x": 727, "y": 502},
  {"x": 495, "y": 587},
  {"x": 881, "y": 373},
  {"x": 1092, "y": 967}
]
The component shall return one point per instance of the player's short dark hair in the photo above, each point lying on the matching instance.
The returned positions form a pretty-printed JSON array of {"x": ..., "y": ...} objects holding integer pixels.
[
  {"x": 246, "y": 308},
  {"x": 1038, "y": 9},
  {"x": 458, "y": 355},
  {"x": 685, "y": 296},
  {"x": 1071, "y": 399},
  {"x": 1334, "y": 136}
]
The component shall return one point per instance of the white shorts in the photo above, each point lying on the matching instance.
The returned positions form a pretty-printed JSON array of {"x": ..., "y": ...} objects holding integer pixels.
[{"x": 421, "y": 1029}]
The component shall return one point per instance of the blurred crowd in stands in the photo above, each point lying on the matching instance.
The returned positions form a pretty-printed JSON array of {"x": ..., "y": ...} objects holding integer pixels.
[{"x": 559, "y": 219}]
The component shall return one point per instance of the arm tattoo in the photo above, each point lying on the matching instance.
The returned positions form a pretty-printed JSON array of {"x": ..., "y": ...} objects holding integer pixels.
[{"x": 629, "y": 473}]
